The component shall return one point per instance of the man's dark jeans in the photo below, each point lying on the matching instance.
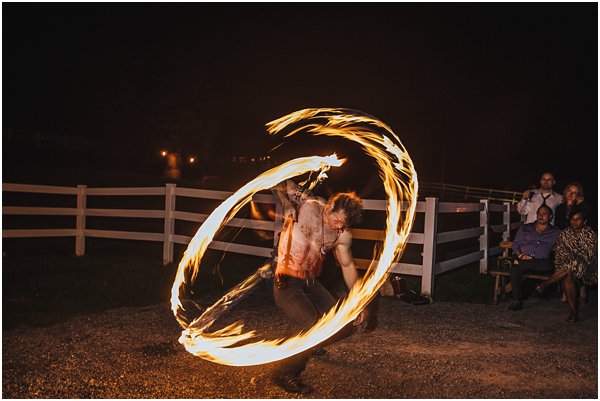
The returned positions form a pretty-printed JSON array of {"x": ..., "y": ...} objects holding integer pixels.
[
  {"x": 516, "y": 273},
  {"x": 304, "y": 303}
]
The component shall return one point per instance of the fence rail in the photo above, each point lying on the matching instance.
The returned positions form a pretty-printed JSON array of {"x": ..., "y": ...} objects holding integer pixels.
[
  {"x": 429, "y": 238},
  {"x": 467, "y": 192}
]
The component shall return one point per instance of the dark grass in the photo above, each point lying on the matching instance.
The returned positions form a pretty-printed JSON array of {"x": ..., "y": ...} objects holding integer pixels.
[
  {"x": 42, "y": 291},
  {"x": 464, "y": 284},
  {"x": 44, "y": 288}
]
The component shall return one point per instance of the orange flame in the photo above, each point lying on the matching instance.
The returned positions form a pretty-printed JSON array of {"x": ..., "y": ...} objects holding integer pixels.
[
  {"x": 257, "y": 214},
  {"x": 400, "y": 183}
]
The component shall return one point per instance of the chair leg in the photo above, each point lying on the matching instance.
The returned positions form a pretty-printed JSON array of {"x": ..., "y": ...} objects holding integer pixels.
[{"x": 497, "y": 289}]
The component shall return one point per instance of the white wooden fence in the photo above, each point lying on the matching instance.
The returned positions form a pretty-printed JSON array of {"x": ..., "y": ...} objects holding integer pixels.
[{"x": 429, "y": 238}]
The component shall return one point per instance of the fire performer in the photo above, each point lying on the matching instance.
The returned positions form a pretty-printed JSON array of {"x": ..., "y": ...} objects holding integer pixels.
[{"x": 312, "y": 228}]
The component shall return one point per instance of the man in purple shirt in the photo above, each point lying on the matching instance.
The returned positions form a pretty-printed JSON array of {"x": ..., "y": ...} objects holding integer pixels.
[{"x": 531, "y": 247}]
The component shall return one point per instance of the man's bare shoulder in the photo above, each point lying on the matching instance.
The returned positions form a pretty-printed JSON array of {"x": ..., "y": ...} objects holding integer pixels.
[
  {"x": 312, "y": 205},
  {"x": 310, "y": 213}
]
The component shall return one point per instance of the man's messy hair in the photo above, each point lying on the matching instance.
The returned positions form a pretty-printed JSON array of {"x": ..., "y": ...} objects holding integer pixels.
[{"x": 349, "y": 203}]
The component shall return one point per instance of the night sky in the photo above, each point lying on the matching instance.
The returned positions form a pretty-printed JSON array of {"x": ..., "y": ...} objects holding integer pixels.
[{"x": 502, "y": 93}]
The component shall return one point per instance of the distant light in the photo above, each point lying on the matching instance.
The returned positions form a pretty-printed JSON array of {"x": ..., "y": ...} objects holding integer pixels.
[
  {"x": 192, "y": 159},
  {"x": 163, "y": 153}
]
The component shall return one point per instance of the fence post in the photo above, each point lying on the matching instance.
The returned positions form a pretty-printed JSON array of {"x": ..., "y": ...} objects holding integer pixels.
[
  {"x": 278, "y": 225},
  {"x": 169, "y": 224},
  {"x": 506, "y": 222},
  {"x": 483, "y": 238},
  {"x": 429, "y": 245},
  {"x": 80, "y": 220}
]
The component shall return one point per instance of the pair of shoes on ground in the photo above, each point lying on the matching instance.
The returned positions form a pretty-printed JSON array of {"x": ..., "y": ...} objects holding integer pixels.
[
  {"x": 411, "y": 297},
  {"x": 292, "y": 384},
  {"x": 572, "y": 318},
  {"x": 516, "y": 305}
]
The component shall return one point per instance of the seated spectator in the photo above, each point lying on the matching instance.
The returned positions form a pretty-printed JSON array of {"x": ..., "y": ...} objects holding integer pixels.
[
  {"x": 572, "y": 196},
  {"x": 576, "y": 260},
  {"x": 533, "y": 199},
  {"x": 532, "y": 246}
]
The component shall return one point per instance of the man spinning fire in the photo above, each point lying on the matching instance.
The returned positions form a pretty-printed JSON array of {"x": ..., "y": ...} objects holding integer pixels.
[{"x": 312, "y": 228}]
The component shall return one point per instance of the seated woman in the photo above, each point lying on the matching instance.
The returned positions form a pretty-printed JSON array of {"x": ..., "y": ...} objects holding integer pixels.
[
  {"x": 576, "y": 260},
  {"x": 573, "y": 198}
]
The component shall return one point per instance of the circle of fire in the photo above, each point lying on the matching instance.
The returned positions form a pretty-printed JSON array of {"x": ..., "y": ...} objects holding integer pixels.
[{"x": 399, "y": 179}]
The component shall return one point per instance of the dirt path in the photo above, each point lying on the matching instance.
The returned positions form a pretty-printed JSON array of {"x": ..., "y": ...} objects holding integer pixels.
[{"x": 443, "y": 350}]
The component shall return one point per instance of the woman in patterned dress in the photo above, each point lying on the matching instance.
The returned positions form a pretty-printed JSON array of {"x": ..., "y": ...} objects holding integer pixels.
[{"x": 576, "y": 260}]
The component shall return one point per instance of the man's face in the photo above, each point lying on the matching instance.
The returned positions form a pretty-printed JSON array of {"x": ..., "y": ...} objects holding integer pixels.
[
  {"x": 547, "y": 181},
  {"x": 543, "y": 216},
  {"x": 336, "y": 220},
  {"x": 576, "y": 221},
  {"x": 571, "y": 194}
]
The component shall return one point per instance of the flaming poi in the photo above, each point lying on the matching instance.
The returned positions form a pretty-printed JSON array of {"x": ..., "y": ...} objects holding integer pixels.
[{"x": 231, "y": 345}]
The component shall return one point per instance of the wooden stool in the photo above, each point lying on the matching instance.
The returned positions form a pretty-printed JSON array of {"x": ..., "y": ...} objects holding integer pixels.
[
  {"x": 503, "y": 271},
  {"x": 501, "y": 288}
]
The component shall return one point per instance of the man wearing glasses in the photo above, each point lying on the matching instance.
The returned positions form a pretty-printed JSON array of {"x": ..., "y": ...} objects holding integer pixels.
[{"x": 534, "y": 198}]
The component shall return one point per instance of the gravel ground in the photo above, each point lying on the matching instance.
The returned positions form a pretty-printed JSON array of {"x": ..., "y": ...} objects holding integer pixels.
[{"x": 442, "y": 350}]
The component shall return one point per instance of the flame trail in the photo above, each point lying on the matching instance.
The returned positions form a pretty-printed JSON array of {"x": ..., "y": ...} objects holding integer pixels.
[
  {"x": 257, "y": 214},
  {"x": 400, "y": 183}
]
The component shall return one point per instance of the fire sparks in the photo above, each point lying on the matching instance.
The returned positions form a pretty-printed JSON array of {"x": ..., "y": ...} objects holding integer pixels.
[{"x": 400, "y": 183}]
